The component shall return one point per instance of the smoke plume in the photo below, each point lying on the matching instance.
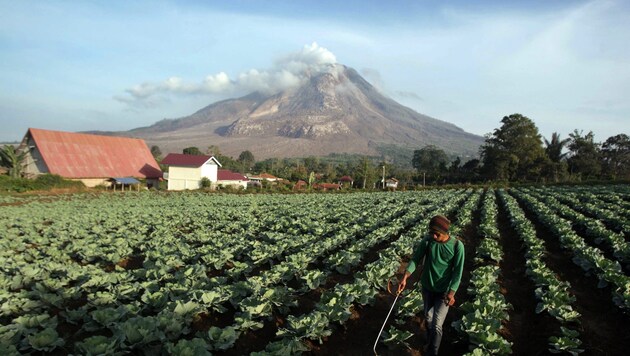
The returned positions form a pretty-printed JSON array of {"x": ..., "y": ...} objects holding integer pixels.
[{"x": 287, "y": 72}]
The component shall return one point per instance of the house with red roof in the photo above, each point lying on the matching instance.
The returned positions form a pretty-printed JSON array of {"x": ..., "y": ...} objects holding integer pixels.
[
  {"x": 186, "y": 171},
  {"x": 264, "y": 177},
  {"x": 227, "y": 178},
  {"x": 346, "y": 181},
  {"x": 91, "y": 159},
  {"x": 326, "y": 186},
  {"x": 300, "y": 185}
]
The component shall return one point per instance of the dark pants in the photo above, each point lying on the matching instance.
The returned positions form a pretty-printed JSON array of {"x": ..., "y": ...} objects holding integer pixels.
[{"x": 435, "y": 311}]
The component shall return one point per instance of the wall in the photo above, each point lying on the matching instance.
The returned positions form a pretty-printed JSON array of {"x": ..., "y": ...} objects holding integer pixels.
[
  {"x": 235, "y": 183},
  {"x": 93, "y": 182},
  {"x": 182, "y": 178},
  {"x": 34, "y": 163},
  {"x": 210, "y": 170}
]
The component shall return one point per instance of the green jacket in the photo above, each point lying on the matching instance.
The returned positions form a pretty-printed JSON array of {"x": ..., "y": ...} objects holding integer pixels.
[{"x": 443, "y": 268}]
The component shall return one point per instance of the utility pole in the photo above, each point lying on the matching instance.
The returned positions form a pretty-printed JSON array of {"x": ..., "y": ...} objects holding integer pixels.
[
  {"x": 423, "y": 178},
  {"x": 383, "y": 177}
]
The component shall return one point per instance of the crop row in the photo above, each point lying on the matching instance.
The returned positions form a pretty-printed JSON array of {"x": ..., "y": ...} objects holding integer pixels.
[
  {"x": 483, "y": 316},
  {"x": 588, "y": 204},
  {"x": 48, "y": 290},
  {"x": 335, "y": 305},
  {"x": 593, "y": 228},
  {"x": 590, "y": 259}
]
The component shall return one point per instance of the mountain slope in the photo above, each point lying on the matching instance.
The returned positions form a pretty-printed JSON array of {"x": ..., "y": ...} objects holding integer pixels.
[{"x": 334, "y": 111}]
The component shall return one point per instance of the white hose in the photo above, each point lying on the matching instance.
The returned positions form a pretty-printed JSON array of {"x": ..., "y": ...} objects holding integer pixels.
[{"x": 383, "y": 327}]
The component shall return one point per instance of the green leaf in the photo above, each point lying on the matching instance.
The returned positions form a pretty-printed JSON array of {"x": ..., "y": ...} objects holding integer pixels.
[
  {"x": 96, "y": 345},
  {"x": 194, "y": 347},
  {"x": 222, "y": 339},
  {"x": 46, "y": 340}
]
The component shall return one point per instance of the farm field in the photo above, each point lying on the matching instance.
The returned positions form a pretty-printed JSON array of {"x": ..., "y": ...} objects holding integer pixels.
[{"x": 547, "y": 270}]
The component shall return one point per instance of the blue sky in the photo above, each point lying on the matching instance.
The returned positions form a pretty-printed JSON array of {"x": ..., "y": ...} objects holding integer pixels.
[{"x": 117, "y": 65}]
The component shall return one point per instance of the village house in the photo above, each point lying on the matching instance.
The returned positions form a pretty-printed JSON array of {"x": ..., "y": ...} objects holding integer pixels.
[
  {"x": 263, "y": 177},
  {"x": 227, "y": 178},
  {"x": 92, "y": 159},
  {"x": 326, "y": 186},
  {"x": 300, "y": 185},
  {"x": 391, "y": 183},
  {"x": 186, "y": 171},
  {"x": 346, "y": 181}
]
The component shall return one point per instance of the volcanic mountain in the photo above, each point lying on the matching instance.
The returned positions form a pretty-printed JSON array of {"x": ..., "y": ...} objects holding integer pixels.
[{"x": 333, "y": 111}]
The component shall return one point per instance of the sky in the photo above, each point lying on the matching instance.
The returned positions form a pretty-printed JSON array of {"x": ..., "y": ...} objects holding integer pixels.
[{"x": 118, "y": 65}]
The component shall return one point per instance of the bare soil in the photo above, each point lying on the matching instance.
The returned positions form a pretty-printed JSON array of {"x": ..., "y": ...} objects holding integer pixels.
[
  {"x": 528, "y": 331},
  {"x": 604, "y": 328}
]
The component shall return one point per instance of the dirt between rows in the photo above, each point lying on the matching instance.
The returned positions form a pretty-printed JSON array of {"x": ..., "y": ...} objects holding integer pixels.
[
  {"x": 528, "y": 331},
  {"x": 358, "y": 335},
  {"x": 604, "y": 329}
]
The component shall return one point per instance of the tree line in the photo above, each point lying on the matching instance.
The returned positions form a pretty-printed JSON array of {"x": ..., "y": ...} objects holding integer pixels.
[
  {"x": 517, "y": 152},
  {"x": 514, "y": 152}
]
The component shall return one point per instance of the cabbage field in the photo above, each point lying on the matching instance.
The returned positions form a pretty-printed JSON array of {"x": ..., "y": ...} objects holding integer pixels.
[{"x": 547, "y": 271}]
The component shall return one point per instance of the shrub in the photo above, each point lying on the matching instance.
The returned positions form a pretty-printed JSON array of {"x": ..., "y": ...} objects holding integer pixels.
[
  {"x": 42, "y": 182},
  {"x": 205, "y": 182}
]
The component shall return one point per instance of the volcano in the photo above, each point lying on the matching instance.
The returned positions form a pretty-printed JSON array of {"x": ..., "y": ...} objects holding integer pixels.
[{"x": 333, "y": 111}]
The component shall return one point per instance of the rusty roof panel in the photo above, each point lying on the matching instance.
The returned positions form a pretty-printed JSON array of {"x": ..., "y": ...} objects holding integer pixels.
[{"x": 75, "y": 155}]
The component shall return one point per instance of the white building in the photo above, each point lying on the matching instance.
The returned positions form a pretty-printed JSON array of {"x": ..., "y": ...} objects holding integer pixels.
[
  {"x": 228, "y": 178},
  {"x": 187, "y": 171}
]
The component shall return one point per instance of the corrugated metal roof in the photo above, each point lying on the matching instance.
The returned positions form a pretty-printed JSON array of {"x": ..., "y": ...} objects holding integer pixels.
[
  {"x": 76, "y": 155},
  {"x": 225, "y": 174},
  {"x": 126, "y": 180},
  {"x": 261, "y": 176},
  {"x": 180, "y": 159}
]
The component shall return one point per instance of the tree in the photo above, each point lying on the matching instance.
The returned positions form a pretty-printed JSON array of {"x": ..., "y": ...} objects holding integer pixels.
[
  {"x": 584, "y": 155},
  {"x": 514, "y": 151},
  {"x": 228, "y": 162},
  {"x": 330, "y": 172},
  {"x": 156, "y": 152},
  {"x": 246, "y": 159},
  {"x": 311, "y": 163},
  {"x": 471, "y": 166},
  {"x": 365, "y": 172},
  {"x": 12, "y": 159},
  {"x": 616, "y": 156},
  {"x": 556, "y": 169},
  {"x": 192, "y": 151},
  {"x": 554, "y": 148},
  {"x": 213, "y": 150},
  {"x": 455, "y": 165},
  {"x": 298, "y": 172},
  {"x": 429, "y": 159}
]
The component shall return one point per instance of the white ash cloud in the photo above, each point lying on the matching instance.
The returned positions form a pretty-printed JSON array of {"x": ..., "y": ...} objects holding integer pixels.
[{"x": 289, "y": 71}]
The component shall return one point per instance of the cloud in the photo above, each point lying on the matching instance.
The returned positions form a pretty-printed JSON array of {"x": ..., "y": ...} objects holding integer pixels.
[
  {"x": 289, "y": 71},
  {"x": 374, "y": 77},
  {"x": 408, "y": 94}
]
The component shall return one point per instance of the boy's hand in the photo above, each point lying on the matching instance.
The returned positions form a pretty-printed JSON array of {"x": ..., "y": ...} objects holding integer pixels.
[
  {"x": 402, "y": 285},
  {"x": 449, "y": 298},
  {"x": 403, "y": 282}
]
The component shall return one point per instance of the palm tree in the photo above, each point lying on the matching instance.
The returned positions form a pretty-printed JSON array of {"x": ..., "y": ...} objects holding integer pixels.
[
  {"x": 555, "y": 147},
  {"x": 13, "y": 160}
]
